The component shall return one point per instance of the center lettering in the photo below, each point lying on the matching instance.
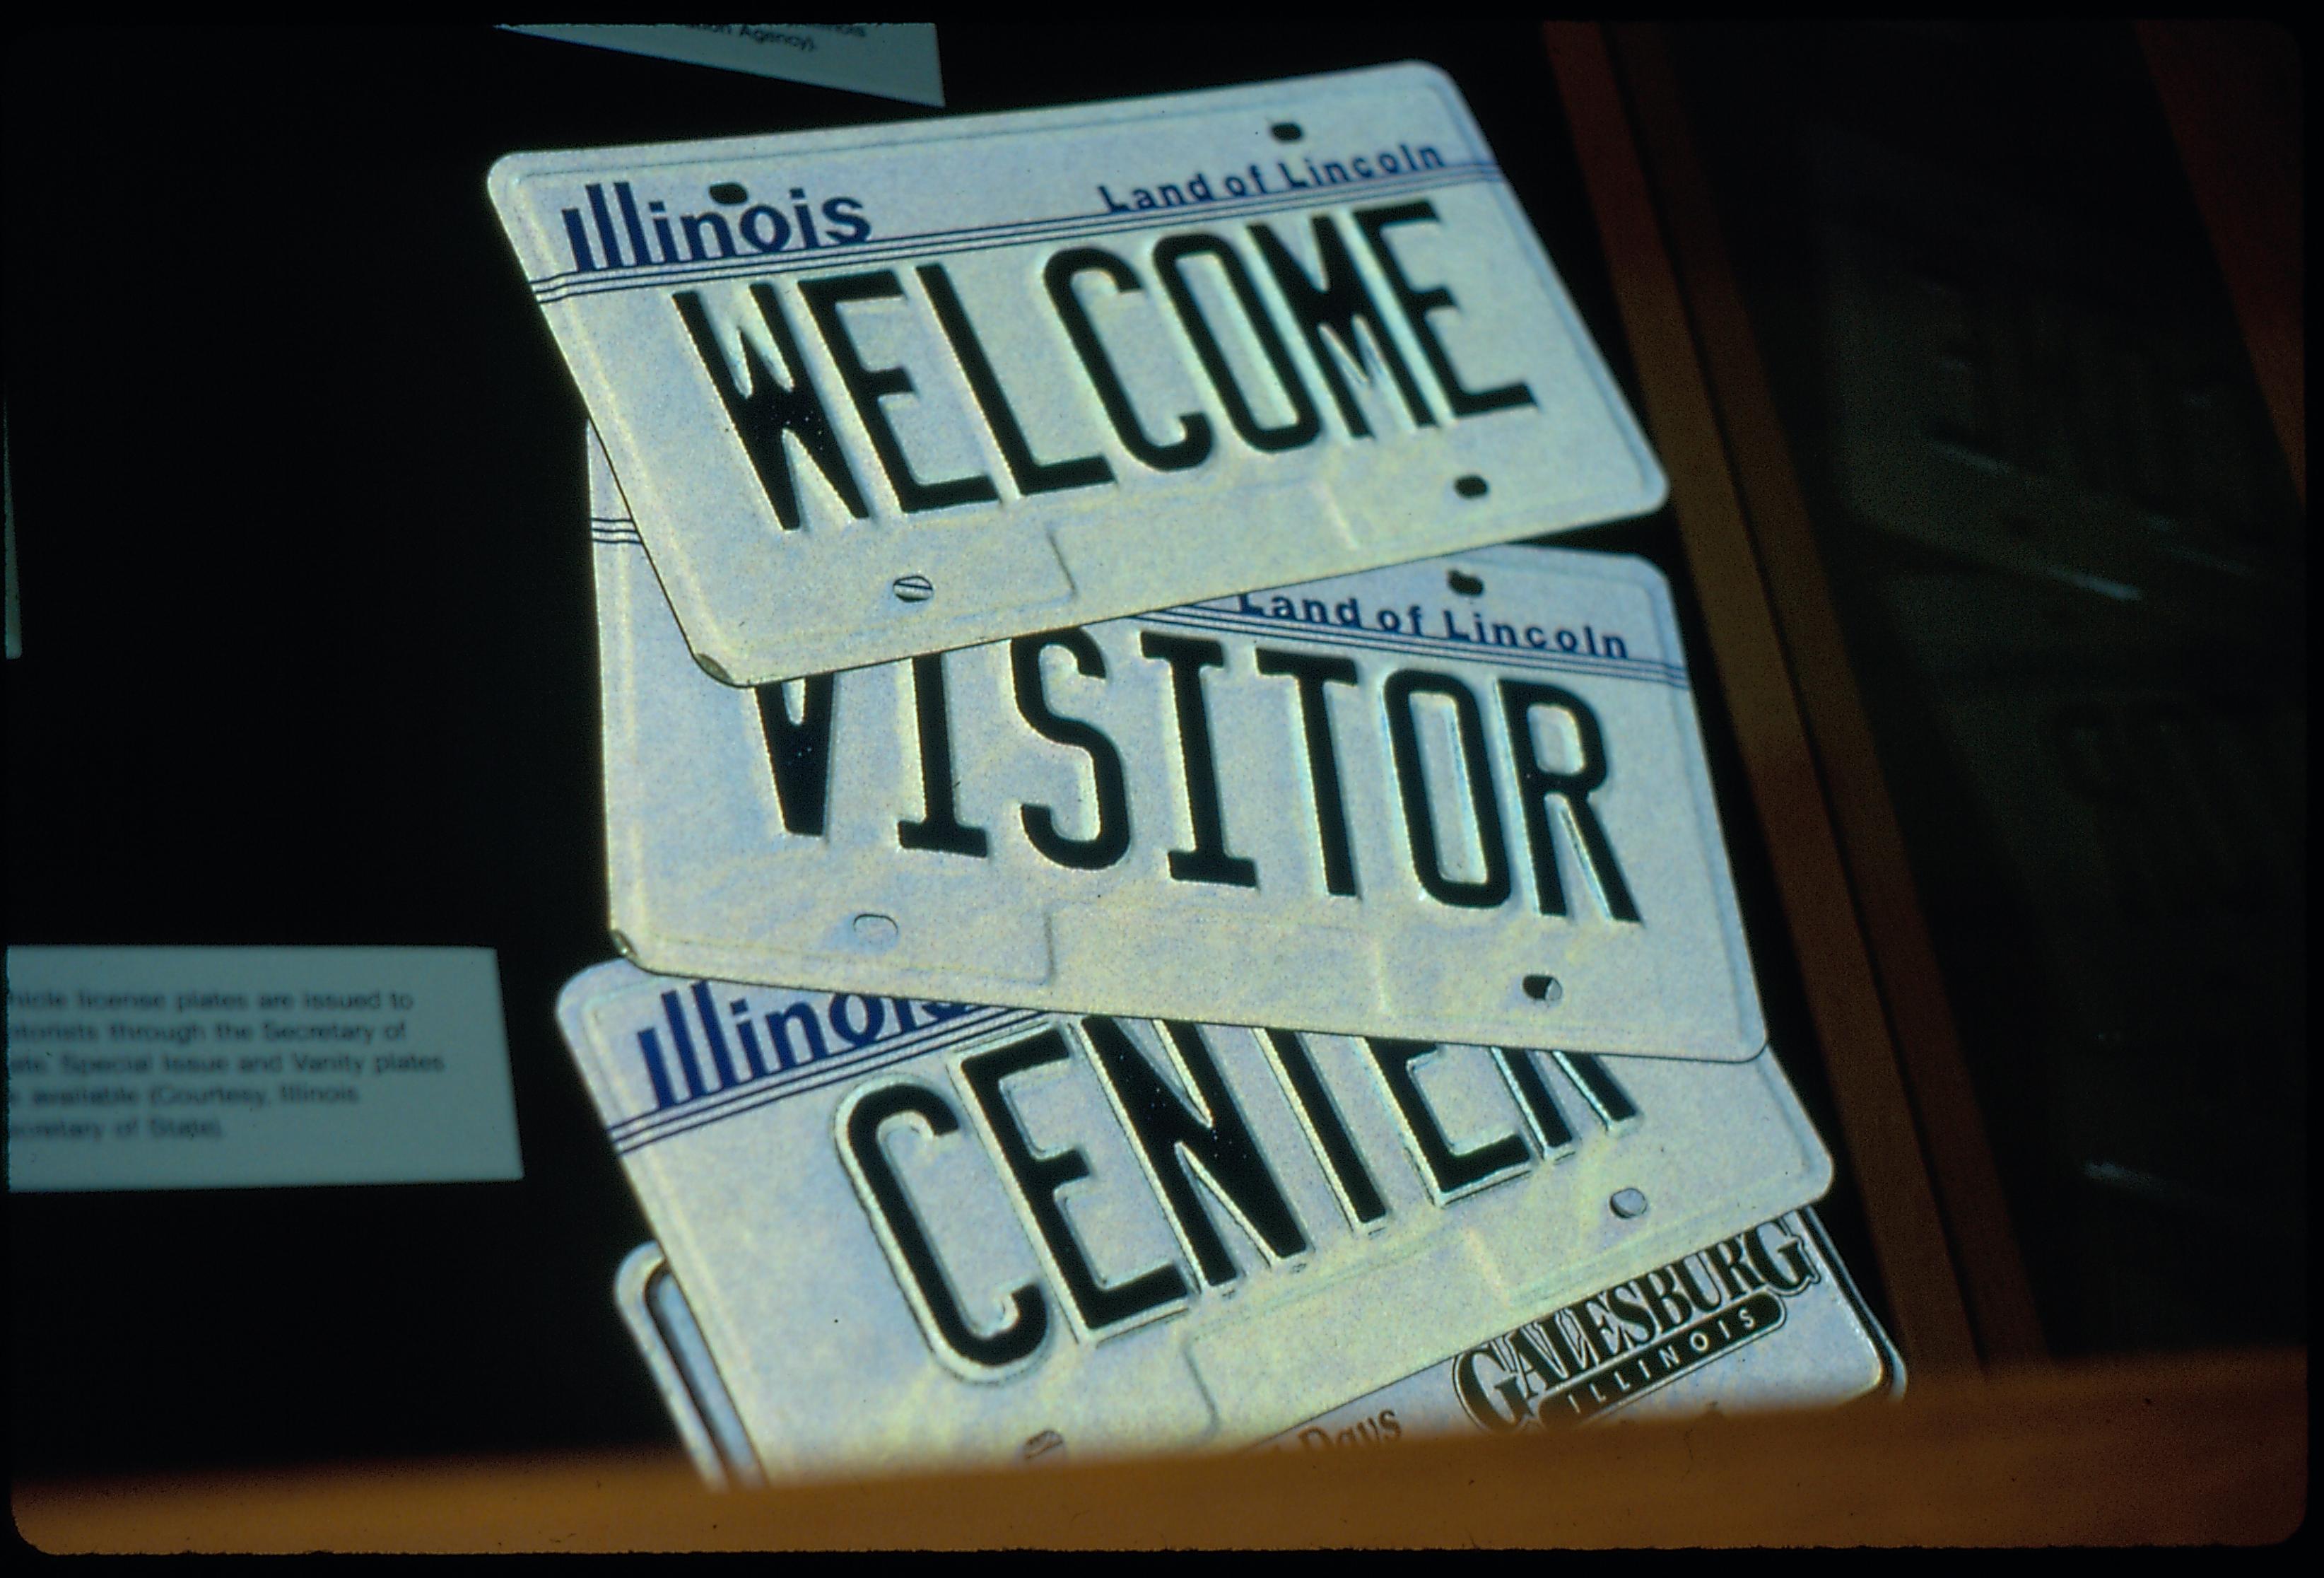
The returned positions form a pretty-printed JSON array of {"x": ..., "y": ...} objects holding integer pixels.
[{"x": 1186, "y": 1124}]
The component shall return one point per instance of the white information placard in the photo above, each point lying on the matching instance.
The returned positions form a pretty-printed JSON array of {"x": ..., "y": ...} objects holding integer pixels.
[{"x": 256, "y": 1067}]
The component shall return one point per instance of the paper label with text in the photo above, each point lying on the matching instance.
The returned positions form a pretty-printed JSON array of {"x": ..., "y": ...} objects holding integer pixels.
[{"x": 255, "y": 1067}]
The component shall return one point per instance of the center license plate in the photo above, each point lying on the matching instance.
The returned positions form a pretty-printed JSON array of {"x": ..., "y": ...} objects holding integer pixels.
[
  {"x": 1463, "y": 799},
  {"x": 915, "y": 1231},
  {"x": 901, "y": 389}
]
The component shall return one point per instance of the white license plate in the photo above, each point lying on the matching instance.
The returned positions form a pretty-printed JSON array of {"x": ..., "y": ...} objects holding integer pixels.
[
  {"x": 1764, "y": 1318},
  {"x": 670, "y": 1340},
  {"x": 1463, "y": 799},
  {"x": 897, "y": 388},
  {"x": 916, "y": 1230}
]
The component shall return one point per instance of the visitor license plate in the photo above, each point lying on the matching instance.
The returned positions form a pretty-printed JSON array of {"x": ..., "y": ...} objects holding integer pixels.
[
  {"x": 1463, "y": 799},
  {"x": 916, "y": 1230},
  {"x": 1763, "y": 1319},
  {"x": 897, "y": 389}
]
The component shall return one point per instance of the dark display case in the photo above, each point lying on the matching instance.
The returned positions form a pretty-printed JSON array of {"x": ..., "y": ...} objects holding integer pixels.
[{"x": 1988, "y": 553}]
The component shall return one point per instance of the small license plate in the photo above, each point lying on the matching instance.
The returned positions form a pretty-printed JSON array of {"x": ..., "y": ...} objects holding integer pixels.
[
  {"x": 1764, "y": 1318},
  {"x": 897, "y": 388},
  {"x": 684, "y": 1371},
  {"x": 915, "y": 1231},
  {"x": 1463, "y": 799},
  {"x": 1767, "y": 1320}
]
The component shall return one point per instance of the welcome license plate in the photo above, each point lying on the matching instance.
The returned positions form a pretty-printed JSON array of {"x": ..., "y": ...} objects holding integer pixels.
[
  {"x": 1463, "y": 799},
  {"x": 916, "y": 1230},
  {"x": 898, "y": 389}
]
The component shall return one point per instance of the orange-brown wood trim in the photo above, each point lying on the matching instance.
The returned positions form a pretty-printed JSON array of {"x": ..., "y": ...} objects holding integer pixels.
[
  {"x": 1914, "y": 1262},
  {"x": 2197, "y": 1451},
  {"x": 1976, "y": 1212},
  {"x": 2233, "y": 92}
]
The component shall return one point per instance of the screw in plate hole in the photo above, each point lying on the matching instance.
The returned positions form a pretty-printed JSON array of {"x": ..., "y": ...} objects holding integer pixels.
[
  {"x": 1471, "y": 486},
  {"x": 1628, "y": 1203},
  {"x": 1463, "y": 582},
  {"x": 912, "y": 589},
  {"x": 876, "y": 931},
  {"x": 1543, "y": 988},
  {"x": 1286, "y": 131}
]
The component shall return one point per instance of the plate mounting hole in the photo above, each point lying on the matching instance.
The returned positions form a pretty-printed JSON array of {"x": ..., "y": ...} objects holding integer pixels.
[
  {"x": 1628, "y": 1203},
  {"x": 911, "y": 588},
  {"x": 1471, "y": 486},
  {"x": 729, "y": 191},
  {"x": 1286, "y": 130},
  {"x": 875, "y": 931},
  {"x": 1463, "y": 582},
  {"x": 1543, "y": 988}
]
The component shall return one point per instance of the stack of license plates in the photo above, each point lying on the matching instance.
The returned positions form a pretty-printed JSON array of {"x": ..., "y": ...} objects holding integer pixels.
[{"x": 1146, "y": 926}]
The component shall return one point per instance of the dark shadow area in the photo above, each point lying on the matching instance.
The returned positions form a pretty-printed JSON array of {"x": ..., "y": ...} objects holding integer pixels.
[
  {"x": 2071, "y": 566},
  {"x": 309, "y": 659}
]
